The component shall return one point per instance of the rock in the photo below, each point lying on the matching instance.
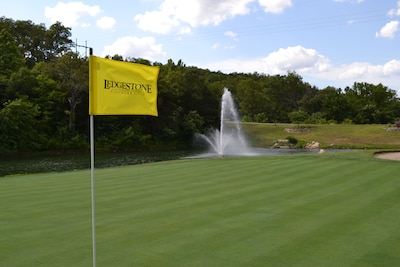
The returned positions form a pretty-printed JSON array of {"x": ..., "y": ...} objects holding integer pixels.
[{"x": 313, "y": 145}]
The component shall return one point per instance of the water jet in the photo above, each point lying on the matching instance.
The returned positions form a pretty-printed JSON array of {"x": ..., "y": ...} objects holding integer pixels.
[{"x": 228, "y": 140}]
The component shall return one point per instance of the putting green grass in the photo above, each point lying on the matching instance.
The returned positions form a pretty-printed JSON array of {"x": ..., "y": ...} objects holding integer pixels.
[{"x": 332, "y": 209}]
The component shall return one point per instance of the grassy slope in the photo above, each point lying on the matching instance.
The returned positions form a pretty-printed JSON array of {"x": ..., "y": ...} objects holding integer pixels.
[
  {"x": 328, "y": 135},
  {"x": 333, "y": 209}
]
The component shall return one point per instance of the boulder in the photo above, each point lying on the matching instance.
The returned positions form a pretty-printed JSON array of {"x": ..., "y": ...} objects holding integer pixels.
[{"x": 313, "y": 145}]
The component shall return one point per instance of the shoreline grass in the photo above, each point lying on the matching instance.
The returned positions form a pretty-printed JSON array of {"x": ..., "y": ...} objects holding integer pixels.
[
  {"x": 333, "y": 209},
  {"x": 353, "y": 136}
]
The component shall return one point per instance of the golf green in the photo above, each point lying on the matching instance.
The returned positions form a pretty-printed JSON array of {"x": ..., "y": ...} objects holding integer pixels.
[{"x": 339, "y": 209}]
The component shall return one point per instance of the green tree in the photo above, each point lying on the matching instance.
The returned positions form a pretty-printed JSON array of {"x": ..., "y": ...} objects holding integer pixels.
[
  {"x": 50, "y": 97},
  {"x": 57, "y": 41},
  {"x": 372, "y": 103},
  {"x": 21, "y": 84},
  {"x": 35, "y": 42},
  {"x": 10, "y": 60},
  {"x": 18, "y": 127},
  {"x": 298, "y": 117},
  {"x": 10, "y": 57},
  {"x": 252, "y": 98},
  {"x": 71, "y": 71},
  {"x": 331, "y": 103},
  {"x": 192, "y": 123},
  {"x": 31, "y": 39}
]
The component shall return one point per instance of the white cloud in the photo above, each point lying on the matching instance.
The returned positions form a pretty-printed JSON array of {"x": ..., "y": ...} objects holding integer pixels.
[
  {"x": 391, "y": 68},
  {"x": 234, "y": 65},
  {"x": 185, "y": 30},
  {"x": 176, "y": 13},
  {"x": 356, "y": 71},
  {"x": 216, "y": 46},
  {"x": 314, "y": 66},
  {"x": 131, "y": 46},
  {"x": 156, "y": 22},
  {"x": 389, "y": 30},
  {"x": 366, "y": 72},
  {"x": 229, "y": 47},
  {"x": 275, "y": 6},
  {"x": 347, "y": 74},
  {"x": 70, "y": 13},
  {"x": 351, "y": 1},
  {"x": 230, "y": 34},
  {"x": 85, "y": 25},
  {"x": 395, "y": 11},
  {"x": 173, "y": 14},
  {"x": 295, "y": 58},
  {"x": 106, "y": 22}
]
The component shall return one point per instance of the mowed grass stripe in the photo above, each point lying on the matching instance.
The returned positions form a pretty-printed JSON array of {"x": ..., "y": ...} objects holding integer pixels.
[
  {"x": 276, "y": 211},
  {"x": 299, "y": 231},
  {"x": 227, "y": 203},
  {"x": 314, "y": 185},
  {"x": 298, "y": 210},
  {"x": 323, "y": 222},
  {"x": 204, "y": 179},
  {"x": 341, "y": 199},
  {"x": 196, "y": 187},
  {"x": 45, "y": 219}
]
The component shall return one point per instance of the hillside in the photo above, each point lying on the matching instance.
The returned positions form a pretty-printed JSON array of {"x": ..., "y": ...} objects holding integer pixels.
[{"x": 328, "y": 135}]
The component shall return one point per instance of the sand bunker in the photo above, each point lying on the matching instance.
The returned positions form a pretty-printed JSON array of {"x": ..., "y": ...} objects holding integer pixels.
[{"x": 388, "y": 155}]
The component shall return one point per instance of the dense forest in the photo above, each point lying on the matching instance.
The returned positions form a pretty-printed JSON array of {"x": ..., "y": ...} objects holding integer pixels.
[{"x": 44, "y": 97}]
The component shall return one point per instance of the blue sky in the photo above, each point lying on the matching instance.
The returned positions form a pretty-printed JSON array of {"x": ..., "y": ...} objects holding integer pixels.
[{"x": 327, "y": 42}]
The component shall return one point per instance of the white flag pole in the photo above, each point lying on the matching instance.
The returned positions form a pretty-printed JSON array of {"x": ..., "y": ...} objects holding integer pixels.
[
  {"x": 92, "y": 188},
  {"x": 92, "y": 181}
]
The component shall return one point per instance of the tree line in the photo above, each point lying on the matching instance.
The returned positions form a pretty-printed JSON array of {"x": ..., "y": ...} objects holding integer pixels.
[{"x": 44, "y": 97}]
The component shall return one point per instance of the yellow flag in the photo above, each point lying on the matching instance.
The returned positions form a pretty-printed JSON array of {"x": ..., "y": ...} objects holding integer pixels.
[{"x": 122, "y": 88}]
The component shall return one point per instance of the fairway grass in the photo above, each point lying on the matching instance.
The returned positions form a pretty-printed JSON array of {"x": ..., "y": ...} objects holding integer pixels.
[{"x": 332, "y": 209}]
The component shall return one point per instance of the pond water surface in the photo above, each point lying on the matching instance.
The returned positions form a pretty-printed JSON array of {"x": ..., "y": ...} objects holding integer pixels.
[{"x": 59, "y": 163}]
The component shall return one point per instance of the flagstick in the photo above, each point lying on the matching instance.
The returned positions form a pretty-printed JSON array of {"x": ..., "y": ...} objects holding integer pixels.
[
  {"x": 150, "y": 109},
  {"x": 92, "y": 188},
  {"x": 92, "y": 181}
]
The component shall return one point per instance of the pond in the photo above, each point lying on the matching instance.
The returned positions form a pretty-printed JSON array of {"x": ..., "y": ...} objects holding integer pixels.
[{"x": 59, "y": 163}]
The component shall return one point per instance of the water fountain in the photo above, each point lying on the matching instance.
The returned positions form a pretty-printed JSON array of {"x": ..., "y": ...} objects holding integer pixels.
[{"x": 228, "y": 140}]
